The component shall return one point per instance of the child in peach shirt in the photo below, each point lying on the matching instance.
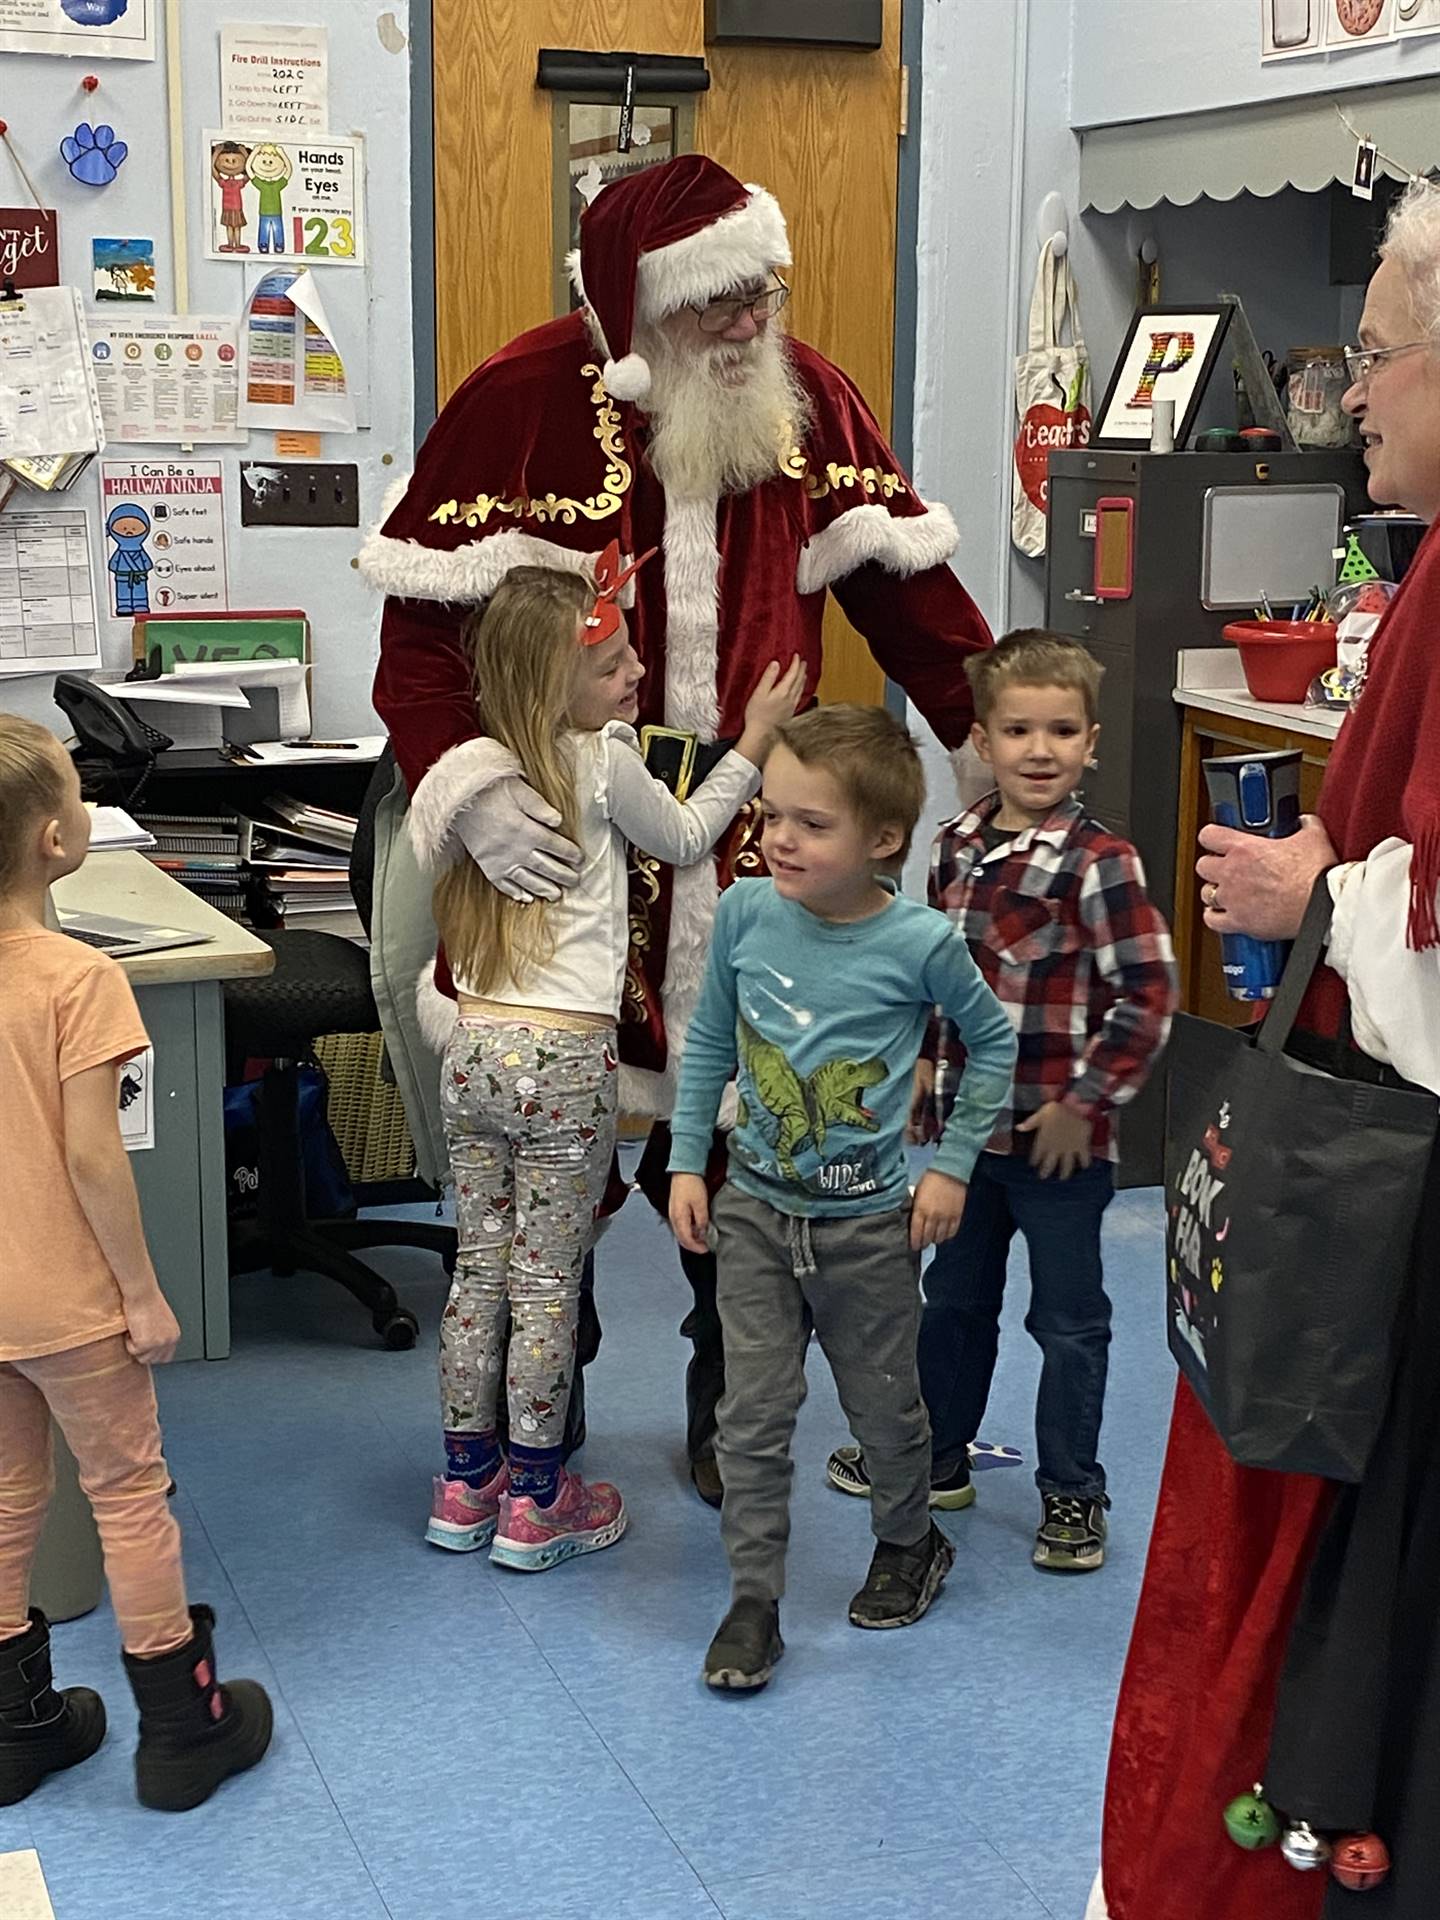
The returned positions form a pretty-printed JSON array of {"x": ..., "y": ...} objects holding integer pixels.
[{"x": 82, "y": 1320}]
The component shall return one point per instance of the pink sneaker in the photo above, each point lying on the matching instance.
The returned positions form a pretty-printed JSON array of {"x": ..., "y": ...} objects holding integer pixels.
[
  {"x": 582, "y": 1520},
  {"x": 463, "y": 1517}
]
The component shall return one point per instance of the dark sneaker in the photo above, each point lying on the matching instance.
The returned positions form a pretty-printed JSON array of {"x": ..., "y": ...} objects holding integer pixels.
[
  {"x": 1072, "y": 1534},
  {"x": 902, "y": 1581},
  {"x": 845, "y": 1470},
  {"x": 705, "y": 1477},
  {"x": 746, "y": 1646}
]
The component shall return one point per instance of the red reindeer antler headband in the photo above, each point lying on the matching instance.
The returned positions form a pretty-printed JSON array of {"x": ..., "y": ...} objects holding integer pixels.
[{"x": 603, "y": 620}]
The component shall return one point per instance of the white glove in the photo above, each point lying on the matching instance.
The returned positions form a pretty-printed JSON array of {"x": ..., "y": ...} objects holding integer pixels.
[{"x": 510, "y": 834}]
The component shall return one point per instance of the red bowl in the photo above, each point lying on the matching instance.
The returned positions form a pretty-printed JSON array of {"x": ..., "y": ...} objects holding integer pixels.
[{"x": 1280, "y": 658}]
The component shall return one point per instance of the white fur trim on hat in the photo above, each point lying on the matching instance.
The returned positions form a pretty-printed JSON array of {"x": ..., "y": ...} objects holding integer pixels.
[
  {"x": 628, "y": 378},
  {"x": 455, "y": 782},
  {"x": 902, "y": 544},
  {"x": 741, "y": 246}
]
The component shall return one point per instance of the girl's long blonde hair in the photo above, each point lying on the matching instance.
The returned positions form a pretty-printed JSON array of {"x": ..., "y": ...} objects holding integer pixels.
[{"x": 523, "y": 650}]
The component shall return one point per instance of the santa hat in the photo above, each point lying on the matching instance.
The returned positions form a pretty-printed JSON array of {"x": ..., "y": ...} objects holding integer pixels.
[{"x": 668, "y": 237}]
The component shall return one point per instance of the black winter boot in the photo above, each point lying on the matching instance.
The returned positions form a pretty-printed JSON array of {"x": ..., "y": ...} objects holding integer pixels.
[
  {"x": 41, "y": 1731},
  {"x": 194, "y": 1733}
]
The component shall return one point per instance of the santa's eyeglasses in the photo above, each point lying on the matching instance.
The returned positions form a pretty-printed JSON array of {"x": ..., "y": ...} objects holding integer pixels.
[{"x": 717, "y": 316}]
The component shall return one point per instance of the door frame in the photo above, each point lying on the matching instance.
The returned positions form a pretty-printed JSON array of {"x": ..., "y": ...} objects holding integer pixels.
[{"x": 422, "y": 230}]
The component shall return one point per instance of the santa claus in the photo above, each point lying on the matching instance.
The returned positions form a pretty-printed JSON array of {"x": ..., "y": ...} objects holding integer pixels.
[{"x": 670, "y": 411}]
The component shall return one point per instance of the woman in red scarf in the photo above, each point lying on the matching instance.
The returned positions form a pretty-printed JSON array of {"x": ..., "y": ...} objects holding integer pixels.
[{"x": 1288, "y": 1631}]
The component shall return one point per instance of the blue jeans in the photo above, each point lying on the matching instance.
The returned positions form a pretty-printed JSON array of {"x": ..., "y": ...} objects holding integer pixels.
[
  {"x": 1069, "y": 1316},
  {"x": 272, "y": 233}
]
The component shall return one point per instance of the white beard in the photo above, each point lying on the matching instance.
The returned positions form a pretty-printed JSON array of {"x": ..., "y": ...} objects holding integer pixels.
[{"x": 722, "y": 419}]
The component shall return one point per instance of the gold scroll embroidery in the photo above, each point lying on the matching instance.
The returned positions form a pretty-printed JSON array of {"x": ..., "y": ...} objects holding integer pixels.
[
  {"x": 871, "y": 480},
  {"x": 553, "y": 506}
]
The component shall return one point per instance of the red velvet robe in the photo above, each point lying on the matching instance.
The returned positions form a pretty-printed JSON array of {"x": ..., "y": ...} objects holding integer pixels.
[{"x": 532, "y": 462}]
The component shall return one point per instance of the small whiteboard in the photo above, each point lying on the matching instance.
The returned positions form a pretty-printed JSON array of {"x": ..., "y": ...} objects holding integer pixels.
[{"x": 1274, "y": 543}]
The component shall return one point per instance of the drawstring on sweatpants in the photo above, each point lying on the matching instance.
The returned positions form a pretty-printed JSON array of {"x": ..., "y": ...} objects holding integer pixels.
[{"x": 802, "y": 1254}]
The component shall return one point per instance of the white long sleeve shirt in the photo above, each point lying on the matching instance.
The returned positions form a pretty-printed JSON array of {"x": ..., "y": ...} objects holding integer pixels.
[
  {"x": 1394, "y": 991},
  {"x": 619, "y": 802}
]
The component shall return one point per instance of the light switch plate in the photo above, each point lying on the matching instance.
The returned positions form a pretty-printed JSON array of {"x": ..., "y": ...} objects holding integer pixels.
[{"x": 298, "y": 494}]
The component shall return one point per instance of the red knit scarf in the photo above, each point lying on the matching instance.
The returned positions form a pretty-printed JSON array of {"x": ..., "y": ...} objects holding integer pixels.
[{"x": 1384, "y": 774}]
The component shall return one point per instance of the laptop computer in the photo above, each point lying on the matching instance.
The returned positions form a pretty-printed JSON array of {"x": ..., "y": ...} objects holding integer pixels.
[{"x": 121, "y": 939}]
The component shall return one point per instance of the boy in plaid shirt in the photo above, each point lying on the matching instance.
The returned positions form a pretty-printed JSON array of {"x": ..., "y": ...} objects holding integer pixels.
[{"x": 1054, "y": 908}]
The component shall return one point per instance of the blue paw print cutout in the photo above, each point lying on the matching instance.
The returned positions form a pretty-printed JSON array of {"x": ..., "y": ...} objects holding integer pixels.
[{"x": 93, "y": 154}]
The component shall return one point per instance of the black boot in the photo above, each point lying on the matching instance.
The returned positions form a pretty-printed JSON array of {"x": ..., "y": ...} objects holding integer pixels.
[
  {"x": 41, "y": 1731},
  {"x": 194, "y": 1733}
]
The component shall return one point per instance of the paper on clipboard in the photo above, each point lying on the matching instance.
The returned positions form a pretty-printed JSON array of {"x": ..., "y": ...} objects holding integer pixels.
[
  {"x": 292, "y": 374},
  {"x": 49, "y": 403}
]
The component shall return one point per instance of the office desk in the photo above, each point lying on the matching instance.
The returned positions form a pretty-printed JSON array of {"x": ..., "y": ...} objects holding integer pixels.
[{"x": 181, "y": 1180}]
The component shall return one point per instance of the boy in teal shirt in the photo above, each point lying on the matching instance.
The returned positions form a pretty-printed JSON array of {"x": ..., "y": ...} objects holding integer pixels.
[{"x": 820, "y": 984}]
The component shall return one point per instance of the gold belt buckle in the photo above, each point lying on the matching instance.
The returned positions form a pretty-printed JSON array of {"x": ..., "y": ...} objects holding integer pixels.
[{"x": 669, "y": 754}]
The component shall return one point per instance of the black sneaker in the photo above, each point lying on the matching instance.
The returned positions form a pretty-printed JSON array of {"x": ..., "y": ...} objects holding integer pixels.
[
  {"x": 1072, "y": 1534},
  {"x": 845, "y": 1470},
  {"x": 746, "y": 1646},
  {"x": 902, "y": 1581}
]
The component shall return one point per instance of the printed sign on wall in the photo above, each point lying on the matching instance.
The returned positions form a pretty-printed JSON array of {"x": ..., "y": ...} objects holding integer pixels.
[
  {"x": 29, "y": 250},
  {"x": 292, "y": 199}
]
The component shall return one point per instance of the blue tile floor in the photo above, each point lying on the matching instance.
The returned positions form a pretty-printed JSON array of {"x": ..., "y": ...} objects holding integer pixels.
[{"x": 454, "y": 1742}]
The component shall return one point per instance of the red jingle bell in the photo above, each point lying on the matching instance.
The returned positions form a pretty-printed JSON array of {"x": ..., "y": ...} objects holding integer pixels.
[{"x": 1360, "y": 1861}]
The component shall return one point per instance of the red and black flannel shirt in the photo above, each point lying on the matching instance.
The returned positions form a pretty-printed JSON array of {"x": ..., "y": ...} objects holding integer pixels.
[{"x": 1065, "y": 934}]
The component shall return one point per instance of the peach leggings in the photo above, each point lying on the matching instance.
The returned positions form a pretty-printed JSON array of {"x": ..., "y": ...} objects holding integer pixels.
[{"x": 104, "y": 1403}]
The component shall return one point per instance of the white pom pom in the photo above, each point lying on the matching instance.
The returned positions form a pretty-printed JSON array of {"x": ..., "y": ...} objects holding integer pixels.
[{"x": 627, "y": 379}]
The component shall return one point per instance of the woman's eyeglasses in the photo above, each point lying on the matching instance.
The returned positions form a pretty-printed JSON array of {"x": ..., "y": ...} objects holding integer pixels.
[
  {"x": 718, "y": 316},
  {"x": 1361, "y": 362}
]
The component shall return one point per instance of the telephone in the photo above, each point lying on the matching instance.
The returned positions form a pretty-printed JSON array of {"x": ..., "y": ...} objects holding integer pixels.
[{"x": 116, "y": 753}]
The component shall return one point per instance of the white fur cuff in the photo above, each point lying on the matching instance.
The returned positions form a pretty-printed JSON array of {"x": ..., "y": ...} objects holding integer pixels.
[
  {"x": 436, "y": 1011},
  {"x": 901, "y": 544},
  {"x": 455, "y": 782},
  {"x": 466, "y": 575}
]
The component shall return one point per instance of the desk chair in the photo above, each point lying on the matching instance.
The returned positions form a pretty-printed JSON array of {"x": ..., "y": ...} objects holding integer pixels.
[{"x": 321, "y": 984}]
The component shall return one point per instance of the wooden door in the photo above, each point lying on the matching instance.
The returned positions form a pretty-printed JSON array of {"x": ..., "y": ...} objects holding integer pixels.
[{"x": 819, "y": 127}]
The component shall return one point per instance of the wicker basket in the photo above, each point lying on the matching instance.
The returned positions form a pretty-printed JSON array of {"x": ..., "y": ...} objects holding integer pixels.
[{"x": 366, "y": 1112}]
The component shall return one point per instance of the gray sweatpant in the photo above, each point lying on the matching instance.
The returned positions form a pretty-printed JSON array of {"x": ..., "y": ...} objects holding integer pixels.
[{"x": 857, "y": 1283}]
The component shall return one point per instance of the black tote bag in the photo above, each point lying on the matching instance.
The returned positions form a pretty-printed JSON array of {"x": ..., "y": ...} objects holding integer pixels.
[{"x": 1291, "y": 1197}]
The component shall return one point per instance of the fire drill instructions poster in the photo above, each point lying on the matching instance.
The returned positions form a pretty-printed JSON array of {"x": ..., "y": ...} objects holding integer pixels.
[
  {"x": 289, "y": 197},
  {"x": 274, "y": 76}
]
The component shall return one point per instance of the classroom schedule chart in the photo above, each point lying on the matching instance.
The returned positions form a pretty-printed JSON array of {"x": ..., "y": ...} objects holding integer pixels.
[{"x": 47, "y": 594}]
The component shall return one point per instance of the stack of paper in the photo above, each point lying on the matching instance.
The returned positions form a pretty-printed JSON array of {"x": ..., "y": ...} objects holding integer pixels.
[
  {"x": 202, "y": 852},
  {"x": 112, "y": 829},
  {"x": 206, "y": 688},
  {"x": 301, "y": 855}
]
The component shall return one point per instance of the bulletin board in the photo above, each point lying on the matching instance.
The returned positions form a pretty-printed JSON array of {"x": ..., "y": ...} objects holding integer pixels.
[{"x": 185, "y": 222}]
